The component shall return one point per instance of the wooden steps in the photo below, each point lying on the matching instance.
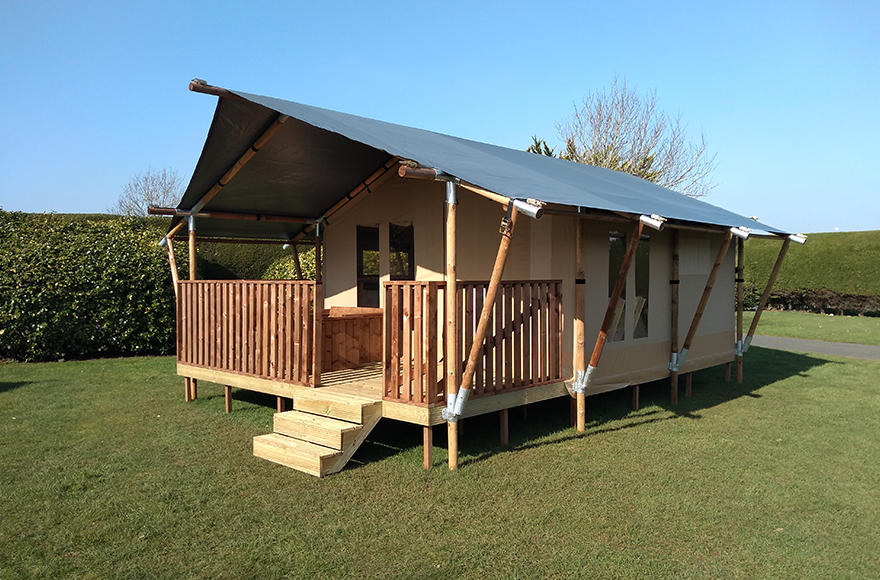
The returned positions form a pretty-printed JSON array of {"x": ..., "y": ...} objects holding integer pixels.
[{"x": 321, "y": 433}]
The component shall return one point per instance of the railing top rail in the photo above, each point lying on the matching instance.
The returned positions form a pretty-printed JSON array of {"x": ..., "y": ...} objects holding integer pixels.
[
  {"x": 441, "y": 283},
  {"x": 277, "y": 282}
]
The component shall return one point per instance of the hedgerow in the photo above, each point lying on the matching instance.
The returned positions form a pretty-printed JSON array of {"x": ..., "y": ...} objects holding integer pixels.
[{"x": 84, "y": 286}]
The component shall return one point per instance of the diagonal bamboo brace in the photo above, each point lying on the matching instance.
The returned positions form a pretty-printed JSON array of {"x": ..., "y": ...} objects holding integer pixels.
[
  {"x": 766, "y": 295},
  {"x": 678, "y": 361},
  {"x": 455, "y": 404},
  {"x": 586, "y": 378}
]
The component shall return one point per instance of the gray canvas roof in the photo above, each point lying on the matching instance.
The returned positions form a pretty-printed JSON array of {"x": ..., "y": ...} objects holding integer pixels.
[{"x": 318, "y": 156}]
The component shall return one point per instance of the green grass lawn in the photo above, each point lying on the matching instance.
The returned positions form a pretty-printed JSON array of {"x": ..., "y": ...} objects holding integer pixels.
[
  {"x": 106, "y": 473},
  {"x": 853, "y": 329}
]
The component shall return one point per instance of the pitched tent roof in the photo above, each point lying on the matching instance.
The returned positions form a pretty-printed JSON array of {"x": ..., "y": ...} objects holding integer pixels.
[{"x": 318, "y": 156}]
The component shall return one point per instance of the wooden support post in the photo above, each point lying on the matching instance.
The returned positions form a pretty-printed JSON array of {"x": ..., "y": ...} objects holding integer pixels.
[
  {"x": 524, "y": 413},
  {"x": 635, "y": 392},
  {"x": 451, "y": 352},
  {"x": 766, "y": 295},
  {"x": 674, "y": 283},
  {"x": 580, "y": 314},
  {"x": 615, "y": 294},
  {"x": 228, "y": 395},
  {"x": 428, "y": 445},
  {"x": 505, "y": 435},
  {"x": 187, "y": 389},
  {"x": 707, "y": 292},
  {"x": 727, "y": 372},
  {"x": 687, "y": 384},
  {"x": 740, "y": 281},
  {"x": 279, "y": 405}
]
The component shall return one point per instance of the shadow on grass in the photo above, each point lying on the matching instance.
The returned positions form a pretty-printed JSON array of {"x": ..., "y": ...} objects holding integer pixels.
[
  {"x": 4, "y": 387},
  {"x": 548, "y": 422}
]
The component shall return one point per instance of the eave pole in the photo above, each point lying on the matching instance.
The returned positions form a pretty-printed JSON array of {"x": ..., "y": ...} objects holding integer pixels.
[
  {"x": 766, "y": 295},
  {"x": 580, "y": 315},
  {"x": 704, "y": 300},
  {"x": 612, "y": 303},
  {"x": 451, "y": 354}
]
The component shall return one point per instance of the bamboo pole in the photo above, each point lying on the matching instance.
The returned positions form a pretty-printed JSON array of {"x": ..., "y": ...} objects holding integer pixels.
[
  {"x": 172, "y": 263},
  {"x": 766, "y": 295},
  {"x": 204, "y": 88},
  {"x": 740, "y": 281},
  {"x": 297, "y": 268},
  {"x": 480, "y": 335},
  {"x": 580, "y": 315},
  {"x": 451, "y": 318},
  {"x": 191, "y": 383},
  {"x": 242, "y": 161},
  {"x": 615, "y": 295},
  {"x": 228, "y": 215},
  {"x": 674, "y": 282},
  {"x": 362, "y": 187},
  {"x": 704, "y": 300},
  {"x": 173, "y": 231}
]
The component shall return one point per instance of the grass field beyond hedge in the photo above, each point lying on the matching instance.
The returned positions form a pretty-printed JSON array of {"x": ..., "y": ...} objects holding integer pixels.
[{"x": 107, "y": 473}]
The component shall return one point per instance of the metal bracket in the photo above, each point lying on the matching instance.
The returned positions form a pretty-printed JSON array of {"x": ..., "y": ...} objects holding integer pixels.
[
  {"x": 738, "y": 349},
  {"x": 584, "y": 380},
  {"x": 677, "y": 360}
]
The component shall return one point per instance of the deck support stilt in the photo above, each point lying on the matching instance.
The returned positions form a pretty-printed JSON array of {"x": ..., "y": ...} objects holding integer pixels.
[
  {"x": 428, "y": 444},
  {"x": 687, "y": 384},
  {"x": 227, "y": 392},
  {"x": 674, "y": 284},
  {"x": 727, "y": 372},
  {"x": 635, "y": 392},
  {"x": 505, "y": 431}
]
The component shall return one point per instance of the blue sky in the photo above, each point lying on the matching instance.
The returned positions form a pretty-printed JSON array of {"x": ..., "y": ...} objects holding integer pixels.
[{"x": 787, "y": 93}]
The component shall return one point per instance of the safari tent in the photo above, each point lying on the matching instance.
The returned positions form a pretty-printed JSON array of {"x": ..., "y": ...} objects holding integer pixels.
[{"x": 455, "y": 278}]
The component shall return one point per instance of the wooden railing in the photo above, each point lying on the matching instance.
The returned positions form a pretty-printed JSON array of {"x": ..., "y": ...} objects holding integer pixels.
[
  {"x": 522, "y": 347},
  {"x": 352, "y": 337},
  {"x": 263, "y": 329}
]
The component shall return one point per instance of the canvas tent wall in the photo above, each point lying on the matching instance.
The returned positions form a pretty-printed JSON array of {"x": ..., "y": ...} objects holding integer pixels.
[{"x": 544, "y": 249}]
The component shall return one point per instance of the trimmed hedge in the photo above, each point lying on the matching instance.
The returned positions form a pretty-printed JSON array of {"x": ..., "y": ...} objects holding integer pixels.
[
  {"x": 283, "y": 268},
  {"x": 84, "y": 286},
  {"x": 833, "y": 272}
]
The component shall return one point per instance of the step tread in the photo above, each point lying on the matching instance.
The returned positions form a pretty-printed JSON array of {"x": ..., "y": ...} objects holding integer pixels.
[
  {"x": 319, "y": 429},
  {"x": 338, "y": 406},
  {"x": 317, "y": 420},
  {"x": 301, "y": 455}
]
